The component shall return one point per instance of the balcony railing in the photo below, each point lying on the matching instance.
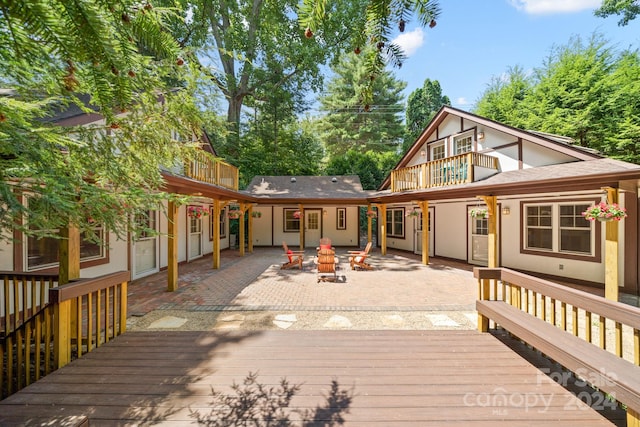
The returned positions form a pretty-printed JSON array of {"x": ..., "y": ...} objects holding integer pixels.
[
  {"x": 453, "y": 170},
  {"x": 207, "y": 168}
]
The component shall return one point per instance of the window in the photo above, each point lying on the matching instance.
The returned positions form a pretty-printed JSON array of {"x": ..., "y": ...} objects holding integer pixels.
[
  {"x": 575, "y": 232},
  {"x": 480, "y": 226},
  {"x": 395, "y": 222},
  {"x": 291, "y": 223},
  {"x": 146, "y": 222},
  {"x": 43, "y": 252},
  {"x": 223, "y": 223},
  {"x": 539, "y": 229},
  {"x": 463, "y": 144},
  {"x": 437, "y": 152},
  {"x": 195, "y": 225},
  {"x": 341, "y": 218},
  {"x": 559, "y": 228}
]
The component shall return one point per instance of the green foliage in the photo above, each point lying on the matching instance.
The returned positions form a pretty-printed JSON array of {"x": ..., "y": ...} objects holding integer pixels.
[
  {"x": 347, "y": 124},
  {"x": 503, "y": 99},
  {"x": 371, "y": 167},
  {"x": 60, "y": 55},
  {"x": 371, "y": 28},
  {"x": 586, "y": 91},
  {"x": 629, "y": 9},
  {"x": 422, "y": 104}
]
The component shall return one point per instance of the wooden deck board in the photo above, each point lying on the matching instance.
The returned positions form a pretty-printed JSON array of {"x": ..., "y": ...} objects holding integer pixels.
[{"x": 401, "y": 378}]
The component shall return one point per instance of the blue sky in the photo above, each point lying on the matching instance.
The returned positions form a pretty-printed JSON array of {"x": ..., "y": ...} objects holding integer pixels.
[{"x": 475, "y": 40}]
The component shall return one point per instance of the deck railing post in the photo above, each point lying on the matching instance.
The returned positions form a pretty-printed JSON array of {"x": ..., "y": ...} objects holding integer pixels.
[{"x": 62, "y": 333}]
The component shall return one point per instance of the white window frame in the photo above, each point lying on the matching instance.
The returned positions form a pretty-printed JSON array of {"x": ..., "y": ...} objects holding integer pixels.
[
  {"x": 467, "y": 139},
  {"x": 556, "y": 229},
  {"x": 289, "y": 221},
  {"x": 391, "y": 221}
]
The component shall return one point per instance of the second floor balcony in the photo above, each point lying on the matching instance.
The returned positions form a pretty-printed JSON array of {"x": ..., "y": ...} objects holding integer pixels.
[
  {"x": 459, "y": 169},
  {"x": 207, "y": 168}
]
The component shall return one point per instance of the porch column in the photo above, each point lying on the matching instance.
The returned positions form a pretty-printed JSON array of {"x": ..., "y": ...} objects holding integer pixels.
[
  {"x": 243, "y": 208},
  {"x": 250, "y": 226},
  {"x": 382, "y": 218},
  {"x": 492, "y": 238},
  {"x": 611, "y": 250},
  {"x": 369, "y": 225},
  {"x": 216, "y": 234},
  {"x": 172, "y": 247},
  {"x": 301, "y": 209},
  {"x": 424, "y": 207},
  {"x": 69, "y": 254}
]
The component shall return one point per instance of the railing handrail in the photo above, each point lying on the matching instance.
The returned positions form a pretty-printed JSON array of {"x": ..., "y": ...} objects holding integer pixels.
[
  {"x": 84, "y": 286},
  {"x": 29, "y": 274},
  {"x": 614, "y": 310}
]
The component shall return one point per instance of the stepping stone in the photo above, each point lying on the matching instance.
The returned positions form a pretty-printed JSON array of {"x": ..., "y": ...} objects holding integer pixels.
[
  {"x": 168, "y": 322},
  {"x": 393, "y": 320},
  {"x": 284, "y": 321},
  {"x": 338, "y": 322},
  {"x": 441, "y": 320},
  {"x": 232, "y": 318},
  {"x": 230, "y": 321},
  {"x": 473, "y": 317}
]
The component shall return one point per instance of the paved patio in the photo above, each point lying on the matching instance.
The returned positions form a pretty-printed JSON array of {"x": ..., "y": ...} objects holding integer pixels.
[{"x": 252, "y": 292}]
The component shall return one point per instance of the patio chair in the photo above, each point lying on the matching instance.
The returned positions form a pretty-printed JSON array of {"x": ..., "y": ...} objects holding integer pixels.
[
  {"x": 325, "y": 243},
  {"x": 294, "y": 258},
  {"x": 327, "y": 265},
  {"x": 359, "y": 258}
]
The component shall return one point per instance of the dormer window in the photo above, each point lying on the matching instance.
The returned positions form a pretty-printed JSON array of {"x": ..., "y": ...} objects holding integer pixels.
[{"x": 463, "y": 143}]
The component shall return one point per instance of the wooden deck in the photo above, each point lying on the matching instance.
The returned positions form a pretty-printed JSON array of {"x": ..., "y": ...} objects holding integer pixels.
[{"x": 382, "y": 378}]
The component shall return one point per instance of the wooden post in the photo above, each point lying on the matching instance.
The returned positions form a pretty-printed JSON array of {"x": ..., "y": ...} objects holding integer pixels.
[
  {"x": 243, "y": 208},
  {"x": 492, "y": 238},
  {"x": 217, "y": 210},
  {"x": 424, "y": 208},
  {"x": 69, "y": 254},
  {"x": 62, "y": 333},
  {"x": 611, "y": 250},
  {"x": 250, "y": 225},
  {"x": 123, "y": 309},
  {"x": 369, "y": 225},
  {"x": 382, "y": 218},
  {"x": 301, "y": 209},
  {"x": 172, "y": 247}
]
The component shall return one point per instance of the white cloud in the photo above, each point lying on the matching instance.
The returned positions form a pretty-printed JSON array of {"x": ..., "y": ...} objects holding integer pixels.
[
  {"x": 410, "y": 41},
  {"x": 540, "y": 7},
  {"x": 462, "y": 101}
]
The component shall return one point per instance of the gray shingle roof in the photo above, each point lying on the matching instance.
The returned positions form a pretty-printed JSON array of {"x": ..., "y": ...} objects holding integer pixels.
[{"x": 307, "y": 187}]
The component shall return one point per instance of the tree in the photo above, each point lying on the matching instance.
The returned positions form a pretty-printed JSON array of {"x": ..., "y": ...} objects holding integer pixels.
[
  {"x": 503, "y": 98},
  {"x": 371, "y": 29},
  {"x": 586, "y": 91},
  {"x": 249, "y": 47},
  {"x": 99, "y": 57},
  {"x": 371, "y": 167},
  {"x": 422, "y": 104},
  {"x": 347, "y": 124},
  {"x": 629, "y": 9}
]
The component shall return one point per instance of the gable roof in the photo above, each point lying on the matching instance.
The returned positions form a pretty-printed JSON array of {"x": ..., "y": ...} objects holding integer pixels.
[
  {"x": 553, "y": 142},
  {"x": 338, "y": 189}
]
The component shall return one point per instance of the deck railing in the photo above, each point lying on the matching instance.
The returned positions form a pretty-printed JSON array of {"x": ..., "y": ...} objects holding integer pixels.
[
  {"x": 207, "y": 168},
  {"x": 571, "y": 310},
  {"x": 453, "y": 170},
  {"x": 79, "y": 317},
  {"x": 24, "y": 294}
]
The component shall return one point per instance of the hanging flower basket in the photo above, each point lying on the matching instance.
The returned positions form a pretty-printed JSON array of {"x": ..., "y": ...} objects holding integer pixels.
[
  {"x": 297, "y": 214},
  {"x": 234, "y": 214},
  {"x": 197, "y": 211},
  {"x": 256, "y": 214},
  {"x": 605, "y": 212},
  {"x": 479, "y": 213},
  {"x": 371, "y": 214},
  {"x": 413, "y": 213}
]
